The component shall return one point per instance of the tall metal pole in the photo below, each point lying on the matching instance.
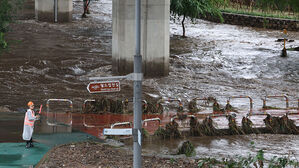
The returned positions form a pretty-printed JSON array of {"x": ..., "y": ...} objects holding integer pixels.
[
  {"x": 137, "y": 160},
  {"x": 55, "y": 10}
]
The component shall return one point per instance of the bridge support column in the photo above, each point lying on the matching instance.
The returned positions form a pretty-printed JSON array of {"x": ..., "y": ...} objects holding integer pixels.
[
  {"x": 154, "y": 36},
  {"x": 44, "y": 10}
]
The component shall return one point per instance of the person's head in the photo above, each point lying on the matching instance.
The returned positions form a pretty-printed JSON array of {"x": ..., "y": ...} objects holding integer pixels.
[{"x": 31, "y": 105}]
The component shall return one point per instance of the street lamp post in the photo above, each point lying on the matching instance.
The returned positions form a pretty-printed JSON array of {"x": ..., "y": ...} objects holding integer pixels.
[{"x": 137, "y": 160}]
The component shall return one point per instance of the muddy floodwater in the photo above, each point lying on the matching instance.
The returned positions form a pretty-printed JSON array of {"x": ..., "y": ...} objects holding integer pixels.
[
  {"x": 230, "y": 146},
  {"x": 50, "y": 60}
]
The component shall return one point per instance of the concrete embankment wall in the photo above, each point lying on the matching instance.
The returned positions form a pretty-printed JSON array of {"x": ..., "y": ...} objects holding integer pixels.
[
  {"x": 257, "y": 21},
  {"x": 24, "y": 10},
  {"x": 154, "y": 36},
  {"x": 44, "y": 10}
]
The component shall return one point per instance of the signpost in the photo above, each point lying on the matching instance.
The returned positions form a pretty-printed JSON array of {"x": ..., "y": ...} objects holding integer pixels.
[
  {"x": 284, "y": 50},
  {"x": 106, "y": 86},
  {"x": 96, "y": 87},
  {"x": 123, "y": 131}
]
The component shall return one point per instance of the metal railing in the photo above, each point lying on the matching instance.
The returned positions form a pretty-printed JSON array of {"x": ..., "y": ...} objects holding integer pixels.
[
  {"x": 55, "y": 113},
  {"x": 121, "y": 123},
  {"x": 124, "y": 102},
  {"x": 151, "y": 119},
  {"x": 242, "y": 97},
  {"x": 206, "y": 99},
  {"x": 171, "y": 100},
  {"x": 175, "y": 117},
  {"x": 257, "y": 113},
  {"x": 87, "y": 100},
  {"x": 218, "y": 115},
  {"x": 281, "y": 96}
]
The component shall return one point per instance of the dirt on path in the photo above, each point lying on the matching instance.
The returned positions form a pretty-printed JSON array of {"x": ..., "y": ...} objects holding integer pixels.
[{"x": 96, "y": 155}]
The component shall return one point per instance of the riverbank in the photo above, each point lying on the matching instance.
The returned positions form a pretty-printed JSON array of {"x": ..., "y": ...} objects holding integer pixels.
[{"x": 256, "y": 21}]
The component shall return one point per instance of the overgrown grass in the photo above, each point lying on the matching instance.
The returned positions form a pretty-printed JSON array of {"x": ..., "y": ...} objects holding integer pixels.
[{"x": 259, "y": 13}]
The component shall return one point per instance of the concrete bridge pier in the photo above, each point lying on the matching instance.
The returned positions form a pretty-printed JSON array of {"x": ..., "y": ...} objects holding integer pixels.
[
  {"x": 45, "y": 10},
  {"x": 154, "y": 36}
]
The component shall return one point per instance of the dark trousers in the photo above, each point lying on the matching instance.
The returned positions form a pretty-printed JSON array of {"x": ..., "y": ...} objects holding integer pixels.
[
  {"x": 85, "y": 5},
  {"x": 29, "y": 142}
]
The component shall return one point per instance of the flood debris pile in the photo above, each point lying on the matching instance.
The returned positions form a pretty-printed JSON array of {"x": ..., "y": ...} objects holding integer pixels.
[
  {"x": 217, "y": 108},
  {"x": 204, "y": 128},
  {"x": 152, "y": 108},
  {"x": 195, "y": 127},
  {"x": 187, "y": 149},
  {"x": 288, "y": 126},
  {"x": 193, "y": 106},
  {"x": 247, "y": 126},
  {"x": 103, "y": 105},
  {"x": 106, "y": 105},
  {"x": 208, "y": 128},
  {"x": 229, "y": 107},
  {"x": 274, "y": 125},
  {"x": 280, "y": 125},
  {"x": 171, "y": 131},
  {"x": 233, "y": 129}
]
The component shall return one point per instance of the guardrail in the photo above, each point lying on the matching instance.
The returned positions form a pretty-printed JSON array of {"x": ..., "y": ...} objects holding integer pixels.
[
  {"x": 257, "y": 113},
  {"x": 87, "y": 100},
  {"x": 152, "y": 119},
  {"x": 281, "y": 96},
  {"x": 206, "y": 99},
  {"x": 126, "y": 101},
  {"x": 121, "y": 123},
  {"x": 175, "y": 117},
  {"x": 218, "y": 115},
  {"x": 55, "y": 113},
  {"x": 88, "y": 125},
  {"x": 242, "y": 97},
  {"x": 172, "y": 100}
]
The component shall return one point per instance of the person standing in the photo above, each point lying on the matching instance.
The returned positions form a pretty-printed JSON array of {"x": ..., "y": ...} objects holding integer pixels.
[
  {"x": 85, "y": 8},
  {"x": 29, "y": 120}
]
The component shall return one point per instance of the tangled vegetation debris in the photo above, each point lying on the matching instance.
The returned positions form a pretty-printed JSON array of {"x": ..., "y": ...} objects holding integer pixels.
[
  {"x": 233, "y": 128},
  {"x": 187, "y": 149},
  {"x": 170, "y": 131},
  {"x": 104, "y": 105},
  {"x": 247, "y": 126}
]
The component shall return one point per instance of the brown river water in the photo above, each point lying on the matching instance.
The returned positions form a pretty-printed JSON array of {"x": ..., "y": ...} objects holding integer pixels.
[{"x": 54, "y": 60}]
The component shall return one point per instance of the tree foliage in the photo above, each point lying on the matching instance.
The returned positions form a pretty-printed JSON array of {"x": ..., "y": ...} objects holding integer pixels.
[
  {"x": 194, "y": 8},
  {"x": 5, "y": 19},
  {"x": 8, "y": 9}
]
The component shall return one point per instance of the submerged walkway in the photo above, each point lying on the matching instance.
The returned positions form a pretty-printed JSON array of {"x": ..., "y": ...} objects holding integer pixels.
[
  {"x": 13, "y": 152},
  {"x": 16, "y": 155}
]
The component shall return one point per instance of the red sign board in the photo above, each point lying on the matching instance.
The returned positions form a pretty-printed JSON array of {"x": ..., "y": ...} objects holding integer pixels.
[{"x": 99, "y": 87}]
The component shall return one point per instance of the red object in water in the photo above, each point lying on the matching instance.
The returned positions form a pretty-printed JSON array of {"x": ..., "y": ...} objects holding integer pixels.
[
  {"x": 40, "y": 109},
  {"x": 99, "y": 87}
]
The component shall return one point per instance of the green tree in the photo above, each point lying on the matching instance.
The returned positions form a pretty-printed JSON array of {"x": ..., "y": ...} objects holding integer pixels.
[
  {"x": 295, "y": 6},
  {"x": 5, "y": 19},
  {"x": 8, "y": 9},
  {"x": 193, "y": 8}
]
